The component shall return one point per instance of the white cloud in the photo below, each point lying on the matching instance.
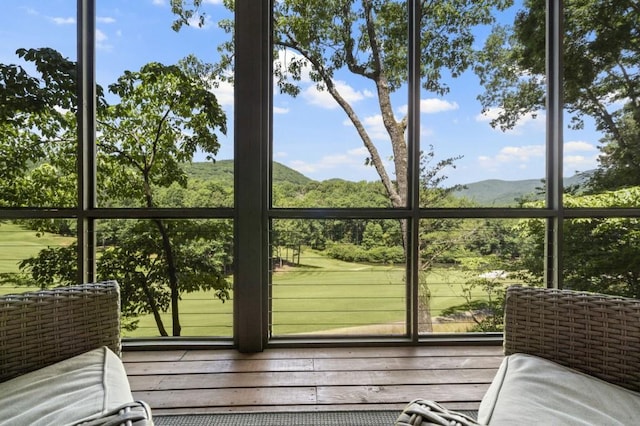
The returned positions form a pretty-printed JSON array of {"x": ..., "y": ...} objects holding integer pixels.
[
  {"x": 100, "y": 36},
  {"x": 280, "y": 110},
  {"x": 353, "y": 158},
  {"x": 105, "y": 20},
  {"x": 63, "y": 21},
  {"x": 374, "y": 126},
  {"x": 432, "y": 106},
  {"x": 280, "y": 154},
  {"x": 362, "y": 152},
  {"x": 583, "y": 156},
  {"x": 579, "y": 146},
  {"x": 224, "y": 93},
  {"x": 212, "y": 1},
  {"x": 574, "y": 163},
  {"x": 530, "y": 122},
  {"x": 285, "y": 57},
  {"x": 101, "y": 40},
  {"x": 158, "y": 2},
  {"x": 310, "y": 92},
  {"x": 323, "y": 98},
  {"x": 515, "y": 156}
]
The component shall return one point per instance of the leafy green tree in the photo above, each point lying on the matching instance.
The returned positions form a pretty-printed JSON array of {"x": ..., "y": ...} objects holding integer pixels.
[
  {"x": 601, "y": 76},
  {"x": 37, "y": 121},
  {"x": 369, "y": 40},
  {"x": 600, "y": 254},
  {"x": 373, "y": 235},
  {"x": 164, "y": 114}
]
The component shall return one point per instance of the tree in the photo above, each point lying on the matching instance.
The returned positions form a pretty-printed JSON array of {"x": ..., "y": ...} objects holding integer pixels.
[
  {"x": 37, "y": 121},
  {"x": 600, "y": 254},
  {"x": 368, "y": 39},
  {"x": 601, "y": 76},
  {"x": 163, "y": 115}
]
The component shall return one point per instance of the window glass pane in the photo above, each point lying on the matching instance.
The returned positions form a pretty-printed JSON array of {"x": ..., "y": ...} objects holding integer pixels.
[
  {"x": 165, "y": 108},
  {"x": 36, "y": 254},
  {"x": 161, "y": 263},
  {"x": 337, "y": 278},
  {"x": 602, "y": 97},
  {"x": 490, "y": 116},
  {"x": 37, "y": 121},
  {"x": 340, "y": 98},
  {"x": 466, "y": 266},
  {"x": 600, "y": 255}
]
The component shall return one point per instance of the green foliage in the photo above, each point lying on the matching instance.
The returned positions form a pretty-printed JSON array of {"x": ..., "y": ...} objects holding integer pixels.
[
  {"x": 367, "y": 39},
  {"x": 600, "y": 254},
  {"x": 37, "y": 121},
  {"x": 601, "y": 76},
  {"x": 163, "y": 116},
  {"x": 376, "y": 255}
]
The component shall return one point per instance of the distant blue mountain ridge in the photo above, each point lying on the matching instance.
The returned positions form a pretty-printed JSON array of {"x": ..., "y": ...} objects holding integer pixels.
[
  {"x": 501, "y": 193},
  {"x": 486, "y": 193}
]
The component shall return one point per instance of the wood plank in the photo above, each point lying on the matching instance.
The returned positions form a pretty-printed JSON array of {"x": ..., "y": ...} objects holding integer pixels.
[
  {"x": 311, "y": 378},
  {"x": 151, "y": 356},
  {"x": 384, "y": 364},
  {"x": 396, "y": 394},
  {"x": 228, "y": 397},
  {"x": 364, "y": 352},
  {"x": 184, "y": 367}
]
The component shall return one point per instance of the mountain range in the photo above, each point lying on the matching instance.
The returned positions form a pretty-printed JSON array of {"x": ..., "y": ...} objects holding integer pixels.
[{"x": 488, "y": 193}]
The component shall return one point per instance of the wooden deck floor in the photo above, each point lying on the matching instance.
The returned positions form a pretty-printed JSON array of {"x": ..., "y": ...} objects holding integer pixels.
[{"x": 310, "y": 379}]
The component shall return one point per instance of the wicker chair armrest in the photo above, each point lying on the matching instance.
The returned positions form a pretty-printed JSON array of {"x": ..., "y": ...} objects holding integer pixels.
[
  {"x": 593, "y": 333},
  {"x": 43, "y": 327}
]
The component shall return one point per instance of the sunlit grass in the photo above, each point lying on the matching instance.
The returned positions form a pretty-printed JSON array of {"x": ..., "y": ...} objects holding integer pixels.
[
  {"x": 18, "y": 243},
  {"x": 319, "y": 296}
]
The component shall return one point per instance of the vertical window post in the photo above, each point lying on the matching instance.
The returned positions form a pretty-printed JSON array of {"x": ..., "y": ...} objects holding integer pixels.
[
  {"x": 413, "y": 164},
  {"x": 252, "y": 106},
  {"x": 86, "y": 144},
  {"x": 554, "y": 51}
]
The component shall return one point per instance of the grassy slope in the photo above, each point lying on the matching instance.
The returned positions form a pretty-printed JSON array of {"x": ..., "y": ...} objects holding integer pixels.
[
  {"x": 321, "y": 294},
  {"x": 17, "y": 243}
]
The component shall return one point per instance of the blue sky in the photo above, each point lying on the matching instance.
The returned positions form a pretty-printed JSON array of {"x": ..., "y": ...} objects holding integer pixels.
[{"x": 311, "y": 134}]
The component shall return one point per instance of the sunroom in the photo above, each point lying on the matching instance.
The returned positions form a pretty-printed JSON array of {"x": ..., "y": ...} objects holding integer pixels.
[{"x": 339, "y": 189}]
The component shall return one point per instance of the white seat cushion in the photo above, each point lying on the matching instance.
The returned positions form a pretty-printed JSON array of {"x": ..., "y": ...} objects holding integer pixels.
[
  {"x": 74, "y": 390},
  {"x": 529, "y": 390}
]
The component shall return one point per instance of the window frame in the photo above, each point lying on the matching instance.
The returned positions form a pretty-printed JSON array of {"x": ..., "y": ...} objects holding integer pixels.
[{"x": 253, "y": 211}]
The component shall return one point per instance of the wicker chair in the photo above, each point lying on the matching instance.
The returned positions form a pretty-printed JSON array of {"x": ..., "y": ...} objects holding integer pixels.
[
  {"x": 596, "y": 334},
  {"x": 593, "y": 333},
  {"x": 41, "y": 328}
]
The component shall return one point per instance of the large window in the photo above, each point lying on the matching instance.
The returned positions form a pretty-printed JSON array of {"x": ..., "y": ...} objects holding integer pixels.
[{"x": 295, "y": 172}]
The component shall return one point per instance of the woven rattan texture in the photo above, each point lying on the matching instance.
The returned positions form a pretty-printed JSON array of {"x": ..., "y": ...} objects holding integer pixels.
[
  {"x": 43, "y": 327},
  {"x": 592, "y": 333}
]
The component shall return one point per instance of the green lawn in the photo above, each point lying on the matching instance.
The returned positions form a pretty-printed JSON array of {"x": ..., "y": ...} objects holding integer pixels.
[
  {"x": 17, "y": 244},
  {"x": 321, "y": 295}
]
